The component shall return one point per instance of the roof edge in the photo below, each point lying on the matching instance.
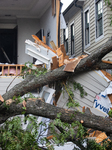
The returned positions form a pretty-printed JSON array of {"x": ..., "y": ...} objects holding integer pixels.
[{"x": 68, "y": 8}]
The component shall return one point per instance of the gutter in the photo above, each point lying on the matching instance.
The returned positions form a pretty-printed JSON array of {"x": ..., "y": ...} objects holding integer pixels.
[
  {"x": 68, "y": 8},
  {"x": 75, "y": 3}
]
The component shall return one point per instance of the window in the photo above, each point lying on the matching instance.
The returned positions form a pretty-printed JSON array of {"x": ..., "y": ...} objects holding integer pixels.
[
  {"x": 72, "y": 39},
  {"x": 99, "y": 18},
  {"x": 66, "y": 39},
  {"x": 87, "y": 27}
]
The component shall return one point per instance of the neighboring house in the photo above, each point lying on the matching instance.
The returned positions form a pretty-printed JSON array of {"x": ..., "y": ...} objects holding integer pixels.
[{"x": 88, "y": 26}]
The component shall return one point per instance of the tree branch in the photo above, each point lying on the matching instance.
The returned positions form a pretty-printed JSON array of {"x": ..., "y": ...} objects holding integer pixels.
[
  {"x": 40, "y": 108},
  {"x": 92, "y": 62}
]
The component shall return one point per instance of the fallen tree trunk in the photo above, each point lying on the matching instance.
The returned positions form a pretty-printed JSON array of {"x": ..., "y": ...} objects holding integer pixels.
[
  {"x": 92, "y": 62},
  {"x": 40, "y": 108}
]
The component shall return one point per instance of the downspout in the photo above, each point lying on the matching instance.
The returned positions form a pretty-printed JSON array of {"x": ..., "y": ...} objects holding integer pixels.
[{"x": 75, "y": 3}]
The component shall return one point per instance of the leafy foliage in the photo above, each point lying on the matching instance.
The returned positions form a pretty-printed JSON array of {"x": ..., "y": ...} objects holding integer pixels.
[
  {"x": 80, "y": 88},
  {"x": 76, "y": 86},
  {"x": 13, "y": 137},
  {"x": 110, "y": 113},
  {"x": 109, "y": 4},
  {"x": 30, "y": 69}
]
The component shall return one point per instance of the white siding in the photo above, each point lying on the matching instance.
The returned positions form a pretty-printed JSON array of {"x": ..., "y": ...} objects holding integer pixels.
[
  {"x": 92, "y": 83},
  {"x": 5, "y": 81},
  {"x": 26, "y": 28},
  {"x": 48, "y": 23}
]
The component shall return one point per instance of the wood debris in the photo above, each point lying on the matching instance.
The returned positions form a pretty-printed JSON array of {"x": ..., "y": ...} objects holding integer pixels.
[
  {"x": 24, "y": 104},
  {"x": 1, "y": 99},
  {"x": 8, "y": 102}
]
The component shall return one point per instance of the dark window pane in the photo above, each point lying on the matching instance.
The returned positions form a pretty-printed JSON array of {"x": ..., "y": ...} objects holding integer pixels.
[
  {"x": 72, "y": 39},
  {"x": 87, "y": 27},
  {"x": 99, "y": 19}
]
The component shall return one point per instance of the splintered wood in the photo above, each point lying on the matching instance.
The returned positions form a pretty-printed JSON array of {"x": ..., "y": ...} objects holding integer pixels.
[
  {"x": 61, "y": 58},
  {"x": 1, "y": 99},
  {"x": 38, "y": 41}
]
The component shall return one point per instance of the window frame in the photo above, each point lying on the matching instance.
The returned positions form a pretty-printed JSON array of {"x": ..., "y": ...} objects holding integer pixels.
[
  {"x": 72, "y": 39},
  {"x": 65, "y": 39},
  {"x": 86, "y": 45},
  {"x": 99, "y": 37}
]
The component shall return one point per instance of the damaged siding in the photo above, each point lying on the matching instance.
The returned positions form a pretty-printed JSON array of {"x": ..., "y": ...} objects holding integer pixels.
[{"x": 92, "y": 83}]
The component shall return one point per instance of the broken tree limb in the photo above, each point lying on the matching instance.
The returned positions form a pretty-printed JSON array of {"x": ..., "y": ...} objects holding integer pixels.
[
  {"x": 92, "y": 62},
  {"x": 40, "y": 108}
]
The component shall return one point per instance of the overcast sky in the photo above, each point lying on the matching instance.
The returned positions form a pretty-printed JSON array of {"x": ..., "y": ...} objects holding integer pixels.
[{"x": 66, "y": 3}]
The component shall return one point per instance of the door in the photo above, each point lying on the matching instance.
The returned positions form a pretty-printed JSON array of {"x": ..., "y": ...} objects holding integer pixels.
[{"x": 8, "y": 45}]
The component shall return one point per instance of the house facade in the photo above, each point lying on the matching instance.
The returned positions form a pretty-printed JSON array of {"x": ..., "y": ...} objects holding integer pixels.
[
  {"x": 88, "y": 26},
  {"x": 21, "y": 19}
]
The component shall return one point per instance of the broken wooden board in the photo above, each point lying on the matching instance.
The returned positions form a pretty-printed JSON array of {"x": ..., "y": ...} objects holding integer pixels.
[
  {"x": 57, "y": 22},
  {"x": 55, "y": 63},
  {"x": 43, "y": 54},
  {"x": 107, "y": 58},
  {"x": 1, "y": 99},
  {"x": 63, "y": 50},
  {"x": 108, "y": 75},
  {"x": 71, "y": 64},
  {"x": 53, "y": 8},
  {"x": 53, "y": 45},
  {"x": 61, "y": 60},
  {"x": 44, "y": 39},
  {"x": 38, "y": 41},
  {"x": 59, "y": 52}
]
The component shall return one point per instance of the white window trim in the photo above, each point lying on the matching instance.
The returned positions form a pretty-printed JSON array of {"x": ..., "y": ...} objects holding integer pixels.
[
  {"x": 102, "y": 36},
  {"x": 86, "y": 46},
  {"x": 49, "y": 99},
  {"x": 74, "y": 39}
]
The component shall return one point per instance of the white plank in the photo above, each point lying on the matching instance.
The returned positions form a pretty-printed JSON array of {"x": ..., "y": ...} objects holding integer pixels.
[
  {"x": 93, "y": 82},
  {"x": 84, "y": 100},
  {"x": 88, "y": 85},
  {"x": 88, "y": 97},
  {"x": 98, "y": 78},
  {"x": 98, "y": 113}
]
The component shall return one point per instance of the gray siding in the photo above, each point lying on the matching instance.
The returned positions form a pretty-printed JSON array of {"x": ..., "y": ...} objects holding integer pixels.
[
  {"x": 94, "y": 44},
  {"x": 109, "y": 14}
]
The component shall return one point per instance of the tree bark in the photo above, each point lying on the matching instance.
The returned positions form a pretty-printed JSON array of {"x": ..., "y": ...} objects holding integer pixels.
[
  {"x": 40, "y": 108},
  {"x": 92, "y": 62}
]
